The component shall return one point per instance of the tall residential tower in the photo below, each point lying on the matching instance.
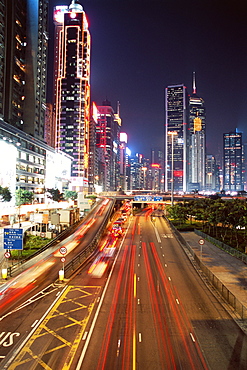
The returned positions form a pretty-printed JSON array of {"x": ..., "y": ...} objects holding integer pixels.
[
  {"x": 176, "y": 137},
  {"x": 23, "y": 57},
  {"x": 72, "y": 74},
  {"x": 233, "y": 159},
  {"x": 196, "y": 141}
]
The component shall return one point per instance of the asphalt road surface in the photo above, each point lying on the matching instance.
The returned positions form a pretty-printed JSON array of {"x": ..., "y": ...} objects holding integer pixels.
[{"x": 149, "y": 310}]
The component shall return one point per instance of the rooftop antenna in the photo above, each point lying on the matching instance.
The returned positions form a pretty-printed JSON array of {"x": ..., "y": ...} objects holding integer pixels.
[
  {"x": 118, "y": 107},
  {"x": 194, "y": 82}
]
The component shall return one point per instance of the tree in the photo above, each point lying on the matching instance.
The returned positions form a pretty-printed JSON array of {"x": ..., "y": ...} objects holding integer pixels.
[
  {"x": 69, "y": 194},
  {"x": 23, "y": 197},
  {"x": 5, "y": 194},
  {"x": 55, "y": 195}
]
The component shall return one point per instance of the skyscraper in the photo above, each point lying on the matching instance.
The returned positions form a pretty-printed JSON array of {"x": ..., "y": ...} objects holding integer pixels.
[
  {"x": 107, "y": 141},
  {"x": 176, "y": 137},
  {"x": 72, "y": 74},
  {"x": 196, "y": 141},
  {"x": 233, "y": 164},
  {"x": 23, "y": 56}
]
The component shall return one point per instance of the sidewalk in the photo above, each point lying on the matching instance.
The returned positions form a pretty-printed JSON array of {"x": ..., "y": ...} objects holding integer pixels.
[{"x": 228, "y": 269}]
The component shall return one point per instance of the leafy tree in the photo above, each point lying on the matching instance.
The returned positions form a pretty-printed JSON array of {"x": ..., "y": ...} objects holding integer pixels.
[
  {"x": 55, "y": 195},
  {"x": 69, "y": 194},
  {"x": 178, "y": 212},
  {"x": 5, "y": 194},
  {"x": 23, "y": 197}
]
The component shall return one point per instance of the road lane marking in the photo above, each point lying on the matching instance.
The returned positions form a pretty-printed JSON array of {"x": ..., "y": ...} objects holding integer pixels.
[
  {"x": 85, "y": 335},
  {"x": 35, "y": 322},
  {"x": 177, "y": 301},
  {"x": 79, "y": 363},
  {"x": 140, "y": 337},
  {"x": 58, "y": 314},
  {"x": 192, "y": 337}
]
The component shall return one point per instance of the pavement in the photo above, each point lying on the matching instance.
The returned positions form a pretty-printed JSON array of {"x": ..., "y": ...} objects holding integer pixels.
[{"x": 231, "y": 271}]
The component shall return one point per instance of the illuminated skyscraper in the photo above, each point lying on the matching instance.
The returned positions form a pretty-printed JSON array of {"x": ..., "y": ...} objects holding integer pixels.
[
  {"x": 233, "y": 162},
  {"x": 107, "y": 141},
  {"x": 196, "y": 141},
  {"x": 176, "y": 137},
  {"x": 72, "y": 75},
  {"x": 23, "y": 57}
]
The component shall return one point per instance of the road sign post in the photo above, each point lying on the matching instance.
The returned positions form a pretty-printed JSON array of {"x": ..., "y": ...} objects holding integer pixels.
[
  {"x": 201, "y": 242},
  {"x": 63, "y": 251}
]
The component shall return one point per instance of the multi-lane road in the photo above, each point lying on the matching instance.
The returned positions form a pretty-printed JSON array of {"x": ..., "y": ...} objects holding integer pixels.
[{"x": 150, "y": 310}]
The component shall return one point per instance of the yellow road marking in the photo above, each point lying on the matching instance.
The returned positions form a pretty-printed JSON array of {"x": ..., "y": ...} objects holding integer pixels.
[{"x": 45, "y": 330}]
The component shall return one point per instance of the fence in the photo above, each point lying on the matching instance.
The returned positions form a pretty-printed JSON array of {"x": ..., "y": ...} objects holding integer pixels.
[{"x": 232, "y": 251}]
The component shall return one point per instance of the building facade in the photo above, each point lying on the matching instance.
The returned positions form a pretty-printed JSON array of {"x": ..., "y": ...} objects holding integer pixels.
[
  {"x": 107, "y": 142},
  {"x": 176, "y": 138},
  {"x": 197, "y": 141},
  {"x": 233, "y": 161},
  {"x": 23, "y": 58},
  {"x": 72, "y": 104},
  {"x": 32, "y": 165}
]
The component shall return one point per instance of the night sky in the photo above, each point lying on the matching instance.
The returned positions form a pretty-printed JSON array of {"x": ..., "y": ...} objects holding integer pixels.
[{"x": 140, "y": 47}]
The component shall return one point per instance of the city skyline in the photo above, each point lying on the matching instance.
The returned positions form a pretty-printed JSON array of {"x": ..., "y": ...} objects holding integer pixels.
[{"x": 138, "y": 49}]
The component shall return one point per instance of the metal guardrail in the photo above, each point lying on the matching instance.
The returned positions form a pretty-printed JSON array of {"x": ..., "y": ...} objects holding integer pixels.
[
  {"x": 77, "y": 261},
  {"x": 17, "y": 267}
]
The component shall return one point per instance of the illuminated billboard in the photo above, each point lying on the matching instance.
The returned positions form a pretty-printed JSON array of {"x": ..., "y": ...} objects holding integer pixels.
[{"x": 58, "y": 13}]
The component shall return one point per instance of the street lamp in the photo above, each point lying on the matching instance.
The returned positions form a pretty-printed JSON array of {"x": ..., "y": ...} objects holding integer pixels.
[{"x": 172, "y": 134}]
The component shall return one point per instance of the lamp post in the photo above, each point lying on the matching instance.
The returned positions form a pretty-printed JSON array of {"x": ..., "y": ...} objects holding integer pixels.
[{"x": 172, "y": 134}]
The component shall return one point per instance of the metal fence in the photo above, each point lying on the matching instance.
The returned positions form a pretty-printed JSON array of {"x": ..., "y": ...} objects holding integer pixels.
[{"x": 232, "y": 251}]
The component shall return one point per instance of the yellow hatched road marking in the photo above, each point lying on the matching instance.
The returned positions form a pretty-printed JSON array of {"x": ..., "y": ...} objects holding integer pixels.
[{"x": 43, "y": 328}]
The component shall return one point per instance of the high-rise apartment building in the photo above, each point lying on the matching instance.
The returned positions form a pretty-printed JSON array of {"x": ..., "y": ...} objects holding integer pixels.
[
  {"x": 23, "y": 56},
  {"x": 107, "y": 141},
  {"x": 196, "y": 141},
  {"x": 233, "y": 161},
  {"x": 176, "y": 138},
  {"x": 72, "y": 75},
  {"x": 211, "y": 176},
  {"x": 157, "y": 169}
]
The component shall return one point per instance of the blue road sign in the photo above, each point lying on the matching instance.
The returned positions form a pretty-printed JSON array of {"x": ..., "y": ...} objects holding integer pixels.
[
  {"x": 13, "y": 239},
  {"x": 158, "y": 199}
]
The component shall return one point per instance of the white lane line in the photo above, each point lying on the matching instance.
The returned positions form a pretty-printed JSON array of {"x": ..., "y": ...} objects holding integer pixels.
[
  {"x": 169, "y": 278},
  {"x": 80, "y": 361},
  {"x": 138, "y": 301},
  {"x": 85, "y": 335},
  {"x": 140, "y": 337},
  {"x": 192, "y": 337},
  {"x": 35, "y": 322},
  {"x": 18, "y": 349},
  {"x": 156, "y": 233},
  {"x": 177, "y": 301}
]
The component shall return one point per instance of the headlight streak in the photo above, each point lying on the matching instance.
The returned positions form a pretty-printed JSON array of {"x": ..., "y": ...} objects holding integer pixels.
[{"x": 162, "y": 336}]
